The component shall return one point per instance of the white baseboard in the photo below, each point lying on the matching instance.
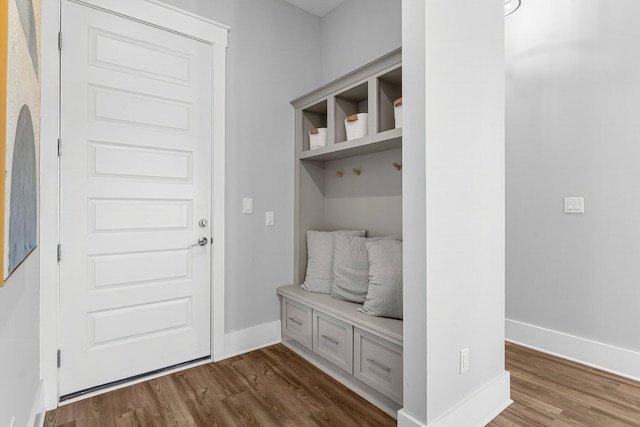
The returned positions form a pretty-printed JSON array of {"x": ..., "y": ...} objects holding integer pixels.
[
  {"x": 616, "y": 360},
  {"x": 36, "y": 417},
  {"x": 250, "y": 339},
  {"x": 406, "y": 420},
  {"x": 475, "y": 411}
]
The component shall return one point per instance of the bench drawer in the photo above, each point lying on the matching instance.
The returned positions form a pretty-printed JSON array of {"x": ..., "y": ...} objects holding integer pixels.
[
  {"x": 333, "y": 340},
  {"x": 378, "y": 363},
  {"x": 296, "y": 321}
]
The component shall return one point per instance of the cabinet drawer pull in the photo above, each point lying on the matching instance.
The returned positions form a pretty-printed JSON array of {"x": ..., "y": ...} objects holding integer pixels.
[
  {"x": 328, "y": 338},
  {"x": 379, "y": 365},
  {"x": 296, "y": 321}
]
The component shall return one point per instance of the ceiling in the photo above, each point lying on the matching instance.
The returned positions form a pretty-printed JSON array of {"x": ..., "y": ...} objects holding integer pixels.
[{"x": 317, "y": 7}]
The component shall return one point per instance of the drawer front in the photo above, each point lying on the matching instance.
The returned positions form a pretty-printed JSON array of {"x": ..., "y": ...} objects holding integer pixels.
[
  {"x": 378, "y": 363},
  {"x": 333, "y": 340},
  {"x": 296, "y": 321}
]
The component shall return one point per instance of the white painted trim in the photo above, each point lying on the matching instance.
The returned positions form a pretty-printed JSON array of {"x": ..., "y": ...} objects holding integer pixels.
[
  {"x": 406, "y": 420},
  {"x": 163, "y": 16},
  {"x": 172, "y": 19},
  {"x": 218, "y": 208},
  {"x": 49, "y": 133},
  {"x": 190, "y": 14},
  {"x": 609, "y": 358},
  {"x": 36, "y": 417},
  {"x": 246, "y": 340},
  {"x": 476, "y": 410}
]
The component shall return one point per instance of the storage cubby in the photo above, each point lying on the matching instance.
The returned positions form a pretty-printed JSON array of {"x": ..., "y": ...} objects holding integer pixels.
[
  {"x": 352, "y": 101},
  {"x": 372, "y": 200},
  {"x": 314, "y": 116},
  {"x": 389, "y": 89},
  {"x": 348, "y": 184}
]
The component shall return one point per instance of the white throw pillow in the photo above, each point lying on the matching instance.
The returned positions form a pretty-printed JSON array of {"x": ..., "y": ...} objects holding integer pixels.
[
  {"x": 320, "y": 247},
  {"x": 384, "y": 296}
]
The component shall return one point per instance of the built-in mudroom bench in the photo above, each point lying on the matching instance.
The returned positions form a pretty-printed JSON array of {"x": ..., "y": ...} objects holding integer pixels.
[
  {"x": 362, "y": 352},
  {"x": 343, "y": 313}
]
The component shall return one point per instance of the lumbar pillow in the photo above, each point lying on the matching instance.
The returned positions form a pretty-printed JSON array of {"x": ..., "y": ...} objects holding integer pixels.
[
  {"x": 320, "y": 246},
  {"x": 351, "y": 267},
  {"x": 384, "y": 296}
]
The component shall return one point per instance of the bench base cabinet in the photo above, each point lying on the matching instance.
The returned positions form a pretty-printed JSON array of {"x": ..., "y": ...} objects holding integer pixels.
[
  {"x": 296, "y": 322},
  {"x": 362, "y": 352},
  {"x": 378, "y": 363},
  {"x": 333, "y": 340}
]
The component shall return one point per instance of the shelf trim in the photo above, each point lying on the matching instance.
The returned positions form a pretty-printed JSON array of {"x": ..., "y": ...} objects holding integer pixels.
[
  {"x": 382, "y": 141},
  {"x": 386, "y": 62}
]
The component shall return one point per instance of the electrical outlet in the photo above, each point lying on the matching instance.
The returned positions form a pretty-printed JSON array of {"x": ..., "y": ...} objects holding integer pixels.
[{"x": 464, "y": 360}]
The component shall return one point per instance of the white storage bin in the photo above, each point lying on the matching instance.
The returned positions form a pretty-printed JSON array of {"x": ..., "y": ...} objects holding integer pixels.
[
  {"x": 397, "y": 112},
  {"x": 356, "y": 125},
  {"x": 317, "y": 138}
]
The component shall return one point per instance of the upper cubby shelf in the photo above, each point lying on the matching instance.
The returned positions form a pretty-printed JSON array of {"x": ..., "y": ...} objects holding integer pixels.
[
  {"x": 381, "y": 141},
  {"x": 357, "y": 114}
]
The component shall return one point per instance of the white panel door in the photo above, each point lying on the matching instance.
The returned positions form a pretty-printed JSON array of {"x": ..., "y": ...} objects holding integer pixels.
[{"x": 135, "y": 182}]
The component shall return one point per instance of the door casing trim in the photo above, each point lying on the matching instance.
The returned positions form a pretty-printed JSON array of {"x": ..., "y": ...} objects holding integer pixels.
[{"x": 163, "y": 16}]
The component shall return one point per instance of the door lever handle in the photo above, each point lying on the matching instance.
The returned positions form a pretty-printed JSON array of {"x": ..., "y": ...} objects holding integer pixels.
[{"x": 201, "y": 242}]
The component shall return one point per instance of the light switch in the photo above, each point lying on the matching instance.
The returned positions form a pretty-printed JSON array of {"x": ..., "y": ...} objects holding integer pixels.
[
  {"x": 247, "y": 205},
  {"x": 270, "y": 218},
  {"x": 574, "y": 205}
]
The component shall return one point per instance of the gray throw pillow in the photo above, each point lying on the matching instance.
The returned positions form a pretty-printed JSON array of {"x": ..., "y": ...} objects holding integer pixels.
[
  {"x": 384, "y": 296},
  {"x": 320, "y": 246},
  {"x": 351, "y": 267}
]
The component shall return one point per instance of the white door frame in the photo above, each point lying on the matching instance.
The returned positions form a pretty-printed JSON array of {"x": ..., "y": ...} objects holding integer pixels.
[{"x": 172, "y": 19}]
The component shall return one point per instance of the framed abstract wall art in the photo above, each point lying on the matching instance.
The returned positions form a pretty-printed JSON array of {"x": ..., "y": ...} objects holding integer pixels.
[{"x": 21, "y": 145}]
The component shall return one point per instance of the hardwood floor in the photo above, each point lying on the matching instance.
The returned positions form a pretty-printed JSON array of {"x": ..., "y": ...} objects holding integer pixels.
[
  {"x": 549, "y": 391},
  {"x": 275, "y": 387},
  {"x": 267, "y": 387}
]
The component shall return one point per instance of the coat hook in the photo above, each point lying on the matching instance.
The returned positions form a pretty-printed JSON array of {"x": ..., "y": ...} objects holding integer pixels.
[
  {"x": 397, "y": 166},
  {"x": 356, "y": 171},
  {"x": 339, "y": 174}
]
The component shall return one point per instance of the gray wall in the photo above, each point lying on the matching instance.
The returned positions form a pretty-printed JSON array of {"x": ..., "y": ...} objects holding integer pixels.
[
  {"x": 573, "y": 91},
  {"x": 19, "y": 342},
  {"x": 276, "y": 53},
  {"x": 357, "y": 32},
  {"x": 371, "y": 201},
  {"x": 271, "y": 59}
]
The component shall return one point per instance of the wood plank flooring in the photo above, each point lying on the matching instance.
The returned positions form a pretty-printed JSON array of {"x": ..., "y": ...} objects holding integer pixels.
[
  {"x": 268, "y": 387},
  {"x": 549, "y": 391},
  {"x": 275, "y": 387}
]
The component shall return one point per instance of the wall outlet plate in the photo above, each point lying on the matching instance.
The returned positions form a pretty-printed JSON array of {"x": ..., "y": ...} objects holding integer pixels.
[
  {"x": 464, "y": 360},
  {"x": 270, "y": 219},
  {"x": 574, "y": 205},
  {"x": 247, "y": 205}
]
